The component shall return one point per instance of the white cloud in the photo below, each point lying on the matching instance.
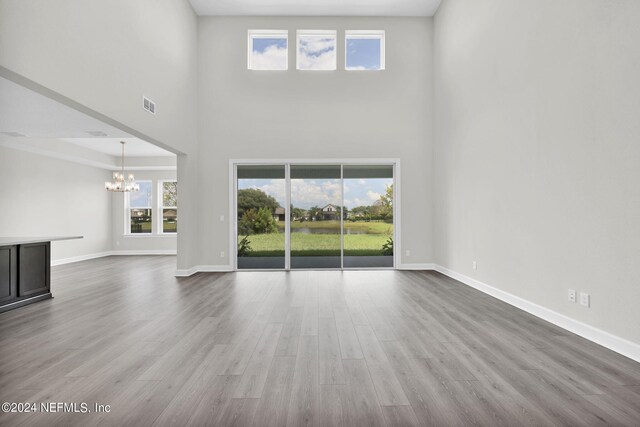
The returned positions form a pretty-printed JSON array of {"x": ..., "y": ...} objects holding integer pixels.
[
  {"x": 305, "y": 194},
  {"x": 317, "y": 53},
  {"x": 373, "y": 196},
  {"x": 352, "y": 203},
  {"x": 317, "y": 44},
  {"x": 275, "y": 188},
  {"x": 272, "y": 58}
]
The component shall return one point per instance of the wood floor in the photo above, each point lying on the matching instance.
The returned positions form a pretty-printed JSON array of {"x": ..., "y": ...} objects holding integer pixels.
[{"x": 300, "y": 348}]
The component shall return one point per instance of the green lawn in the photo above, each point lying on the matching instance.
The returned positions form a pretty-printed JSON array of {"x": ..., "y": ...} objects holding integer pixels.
[
  {"x": 169, "y": 226},
  {"x": 141, "y": 227},
  {"x": 317, "y": 244},
  {"x": 145, "y": 227},
  {"x": 368, "y": 227}
]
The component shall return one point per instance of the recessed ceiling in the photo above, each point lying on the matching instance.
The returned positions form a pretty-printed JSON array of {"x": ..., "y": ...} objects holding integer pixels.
[
  {"x": 25, "y": 113},
  {"x": 134, "y": 147},
  {"x": 36, "y": 116},
  {"x": 316, "y": 7}
]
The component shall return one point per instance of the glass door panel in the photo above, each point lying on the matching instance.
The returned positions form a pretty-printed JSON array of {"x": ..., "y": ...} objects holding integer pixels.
[
  {"x": 368, "y": 227},
  {"x": 261, "y": 216},
  {"x": 316, "y": 216}
]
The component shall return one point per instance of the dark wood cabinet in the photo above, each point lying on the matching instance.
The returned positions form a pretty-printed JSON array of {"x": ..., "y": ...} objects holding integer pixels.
[
  {"x": 8, "y": 273},
  {"x": 25, "y": 274},
  {"x": 34, "y": 269},
  {"x": 25, "y": 270}
]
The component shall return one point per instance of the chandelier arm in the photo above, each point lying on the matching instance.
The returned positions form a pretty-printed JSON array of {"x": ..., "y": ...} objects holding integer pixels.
[{"x": 120, "y": 182}]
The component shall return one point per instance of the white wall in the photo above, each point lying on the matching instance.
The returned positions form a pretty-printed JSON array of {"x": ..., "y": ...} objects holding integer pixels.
[
  {"x": 104, "y": 55},
  {"x": 156, "y": 242},
  {"x": 42, "y": 196},
  {"x": 537, "y": 152},
  {"x": 335, "y": 114}
]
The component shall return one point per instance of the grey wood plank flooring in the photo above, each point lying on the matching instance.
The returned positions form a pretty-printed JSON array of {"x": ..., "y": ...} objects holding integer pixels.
[{"x": 298, "y": 348}]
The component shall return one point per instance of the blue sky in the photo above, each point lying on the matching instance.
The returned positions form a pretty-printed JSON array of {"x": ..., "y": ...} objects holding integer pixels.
[
  {"x": 269, "y": 54},
  {"x": 306, "y": 193},
  {"x": 363, "y": 54},
  {"x": 315, "y": 52},
  {"x": 142, "y": 198},
  {"x": 317, "y": 46},
  {"x": 261, "y": 45}
]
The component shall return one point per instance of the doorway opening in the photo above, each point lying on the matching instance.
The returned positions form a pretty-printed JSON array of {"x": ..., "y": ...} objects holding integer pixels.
[{"x": 315, "y": 215}]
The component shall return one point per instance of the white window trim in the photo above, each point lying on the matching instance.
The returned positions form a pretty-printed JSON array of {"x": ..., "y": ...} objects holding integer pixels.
[
  {"x": 265, "y": 34},
  {"x": 316, "y": 33},
  {"x": 162, "y": 207},
  {"x": 365, "y": 34},
  {"x": 127, "y": 212}
]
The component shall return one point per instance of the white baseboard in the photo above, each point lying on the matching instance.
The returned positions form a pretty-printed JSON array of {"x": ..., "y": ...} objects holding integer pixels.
[
  {"x": 203, "y": 269},
  {"x": 110, "y": 253},
  {"x": 416, "y": 267},
  {"x": 73, "y": 259},
  {"x": 612, "y": 342}
]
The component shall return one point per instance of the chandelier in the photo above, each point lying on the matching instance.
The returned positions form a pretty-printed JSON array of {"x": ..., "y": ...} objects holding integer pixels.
[{"x": 119, "y": 184}]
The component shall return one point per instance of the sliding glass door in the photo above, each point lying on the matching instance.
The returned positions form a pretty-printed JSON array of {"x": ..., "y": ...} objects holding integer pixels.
[
  {"x": 368, "y": 229},
  {"x": 315, "y": 216},
  {"x": 260, "y": 219}
]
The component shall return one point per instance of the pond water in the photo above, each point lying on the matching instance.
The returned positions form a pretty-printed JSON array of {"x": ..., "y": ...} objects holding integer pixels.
[{"x": 307, "y": 230}]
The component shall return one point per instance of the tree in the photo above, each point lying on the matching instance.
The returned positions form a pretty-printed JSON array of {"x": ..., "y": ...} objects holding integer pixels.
[
  {"x": 257, "y": 222},
  {"x": 252, "y": 198},
  {"x": 297, "y": 213},
  {"x": 170, "y": 193},
  {"x": 315, "y": 213},
  {"x": 361, "y": 211},
  {"x": 386, "y": 203}
]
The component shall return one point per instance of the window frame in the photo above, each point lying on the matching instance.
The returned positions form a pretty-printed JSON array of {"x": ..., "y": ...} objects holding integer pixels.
[
  {"x": 265, "y": 34},
  {"x": 128, "y": 209},
  {"x": 365, "y": 34},
  {"x": 162, "y": 207},
  {"x": 316, "y": 33}
]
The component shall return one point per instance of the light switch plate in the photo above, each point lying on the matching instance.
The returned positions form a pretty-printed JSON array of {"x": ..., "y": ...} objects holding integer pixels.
[{"x": 585, "y": 299}]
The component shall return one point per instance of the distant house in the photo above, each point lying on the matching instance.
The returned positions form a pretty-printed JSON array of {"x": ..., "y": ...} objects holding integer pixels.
[
  {"x": 331, "y": 212},
  {"x": 279, "y": 214},
  {"x": 170, "y": 214}
]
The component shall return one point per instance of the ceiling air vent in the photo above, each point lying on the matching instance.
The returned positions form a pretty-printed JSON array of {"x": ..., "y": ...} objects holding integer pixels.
[
  {"x": 15, "y": 134},
  {"x": 96, "y": 133},
  {"x": 148, "y": 105}
]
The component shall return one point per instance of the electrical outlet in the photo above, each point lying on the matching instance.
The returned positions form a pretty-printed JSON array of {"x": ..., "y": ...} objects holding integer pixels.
[
  {"x": 572, "y": 295},
  {"x": 407, "y": 252},
  {"x": 221, "y": 218},
  {"x": 221, "y": 254},
  {"x": 475, "y": 265},
  {"x": 585, "y": 299}
]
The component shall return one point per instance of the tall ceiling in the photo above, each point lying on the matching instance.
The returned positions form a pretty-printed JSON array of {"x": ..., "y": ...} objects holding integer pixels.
[
  {"x": 316, "y": 7},
  {"x": 26, "y": 114}
]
